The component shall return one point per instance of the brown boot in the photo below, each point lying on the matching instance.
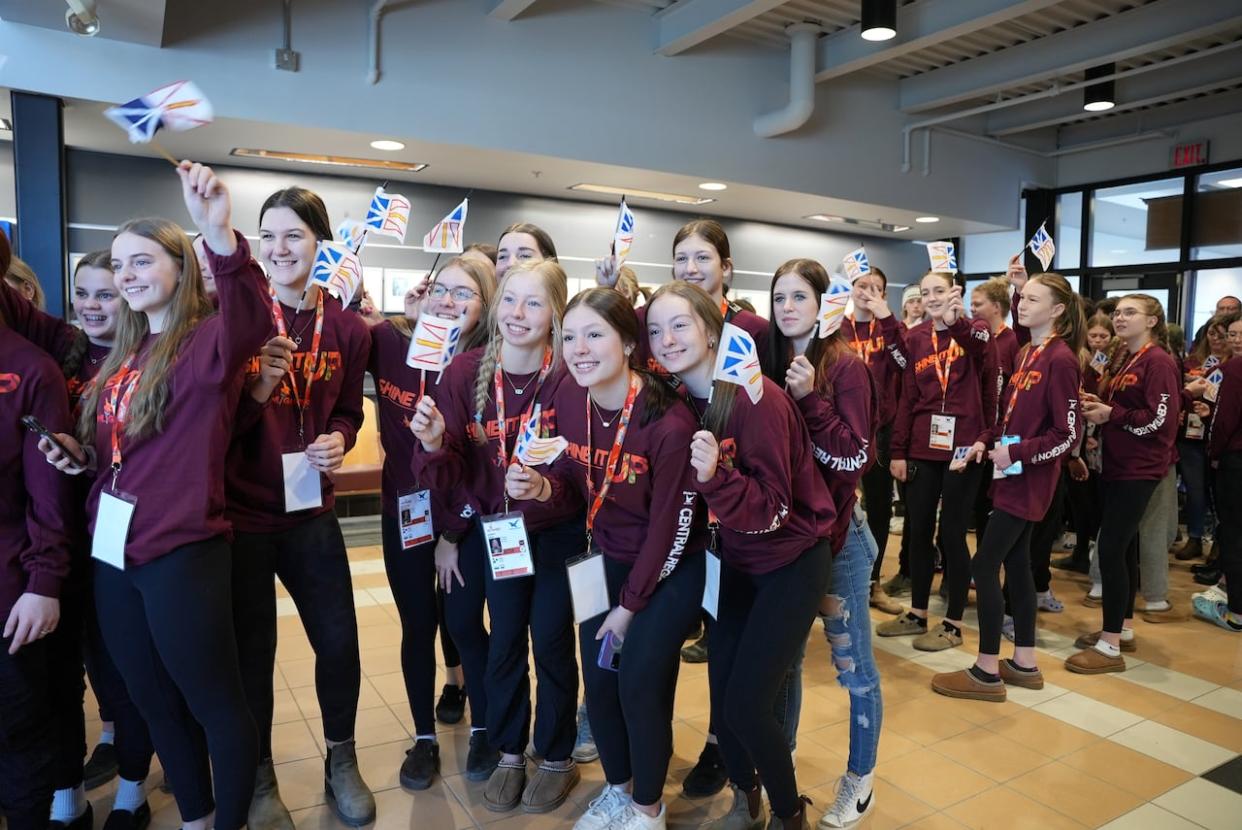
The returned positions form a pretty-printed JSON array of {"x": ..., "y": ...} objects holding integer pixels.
[
  {"x": 1089, "y": 640},
  {"x": 1193, "y": 549},
  {"x": 882, "y": 601},
  {"x": 549, "y": 787},
  {"x": 504, "y": 788},
  {"x": 963, "y": 684},
  {"x": 1014, "y": 676},
  {"x": 1094, "y": 661}
]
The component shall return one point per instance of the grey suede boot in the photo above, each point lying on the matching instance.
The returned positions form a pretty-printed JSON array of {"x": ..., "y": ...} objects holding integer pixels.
[
  {"x": 267, "y": 811},
  {"x": 348, "y": 795}
]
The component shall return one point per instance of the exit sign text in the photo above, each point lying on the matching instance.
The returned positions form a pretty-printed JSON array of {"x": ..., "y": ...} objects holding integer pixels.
[{"x": 1189, "y": 154}]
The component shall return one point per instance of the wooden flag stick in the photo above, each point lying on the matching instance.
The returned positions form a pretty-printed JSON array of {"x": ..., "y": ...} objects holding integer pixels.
[{"x": 160, "y": 149}]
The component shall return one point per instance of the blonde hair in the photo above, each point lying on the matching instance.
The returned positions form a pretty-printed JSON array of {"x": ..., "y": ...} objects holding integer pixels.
[
  {"x": 1159, "y": 332},
  {"x": 554, "y": 284},
  {"x": 189, "y": 307},
  {"x": 627, "y": 284},
  {"x": 484, "y": 277},
  {"x": 20, "y": 275},
  {"x": 997, "y": 290}
]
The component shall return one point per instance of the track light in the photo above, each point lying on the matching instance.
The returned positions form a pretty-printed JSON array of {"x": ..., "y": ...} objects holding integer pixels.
[
  {"x": 1102, "y": 96},
  {"x": 879, "y": 19},
  {"x": 80, "y": 18}
]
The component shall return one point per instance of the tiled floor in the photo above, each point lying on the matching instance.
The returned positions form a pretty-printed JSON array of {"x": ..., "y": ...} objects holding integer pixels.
[{"x": 1155, "y": 748}]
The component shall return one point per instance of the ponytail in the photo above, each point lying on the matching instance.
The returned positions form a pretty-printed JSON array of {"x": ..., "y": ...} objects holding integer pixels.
[{"x": 1071, "y": 325}]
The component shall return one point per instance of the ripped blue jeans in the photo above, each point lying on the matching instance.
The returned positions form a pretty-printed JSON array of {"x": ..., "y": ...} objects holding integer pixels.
[{"x": 849, "y": 637}]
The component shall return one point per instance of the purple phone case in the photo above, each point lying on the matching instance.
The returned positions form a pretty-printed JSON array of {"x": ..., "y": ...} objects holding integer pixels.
[{"x": 609, "y": 654}]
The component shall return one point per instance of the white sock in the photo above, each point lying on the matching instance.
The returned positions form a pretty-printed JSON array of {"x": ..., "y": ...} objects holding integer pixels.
[
  {"x": 1162, "y": 605},
  {"x": 475, "y": 729},
  {"x": 129, "y": 795},
  {"x": 1107, "y": 649},
  {"x": 711, "y": 739},
  {"x": 106, "y": 737},
  {"x": 1127, "y": 634},
  {"x": 69, "y": 804},
  {"x": 1097, "y": 590},
  {"x": 431, "y": 737}
]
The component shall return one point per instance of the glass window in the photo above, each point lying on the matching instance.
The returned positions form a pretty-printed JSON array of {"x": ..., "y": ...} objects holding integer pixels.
[
  {"x": 1217, "y": 222},
  {"x": 1137, "y": 223},
  {"x": 1068, "y": 232},
  {"x": 989, "y": 253},
  {"x": 1209, "y": 287}
]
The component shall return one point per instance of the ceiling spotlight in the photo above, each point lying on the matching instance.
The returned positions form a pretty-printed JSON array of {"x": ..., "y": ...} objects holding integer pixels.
[
  {"x": 80, "y": 18},
  {"x": 713, "y": 186},
  {"x": 879, "y": 19},
  {"x": 387, "y": 144},
  {"x": 1102, "y": 96},
  {"x": 926, "y": 220}
]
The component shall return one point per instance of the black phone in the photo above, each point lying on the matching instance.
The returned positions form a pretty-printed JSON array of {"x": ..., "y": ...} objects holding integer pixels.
[{"x": 34, "y": 425}]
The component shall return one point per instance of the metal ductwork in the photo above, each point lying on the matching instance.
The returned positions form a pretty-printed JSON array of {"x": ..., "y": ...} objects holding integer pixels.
[{"x": 802, "y": 40}]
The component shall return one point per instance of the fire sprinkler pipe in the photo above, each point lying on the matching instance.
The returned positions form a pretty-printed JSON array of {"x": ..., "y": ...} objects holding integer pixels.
[
  {"x": 802, "y": 39},
  {"x": 377, "y": 14}
]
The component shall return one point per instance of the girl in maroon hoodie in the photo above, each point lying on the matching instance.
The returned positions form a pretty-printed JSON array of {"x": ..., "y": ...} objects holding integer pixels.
[
  {"x": 755, "y": 467},
  {"x": 522, "y": 242},
  {"x": 1225, "y": 454},
  {"x": 1138, "y": 413},
  {"x": 628, "y": 460},
  {"x": 1038, "y": 429},
  {"x": 154, "y": 426},
  {"x": 462, "y": 291},
  {"x": 300, "y": 415},
  {"x": 944, "y": 426},
  {"x": 467, "y": 436}
]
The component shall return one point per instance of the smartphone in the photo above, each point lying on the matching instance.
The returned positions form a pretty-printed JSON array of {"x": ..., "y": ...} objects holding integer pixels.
[
  {"x": 610, "y": 653},
  {"x": 34, "y": 425}
]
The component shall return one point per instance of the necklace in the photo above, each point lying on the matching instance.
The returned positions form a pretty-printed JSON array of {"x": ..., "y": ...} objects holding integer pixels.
[
  {"x": 518, "y": 390},
  {"x": 607, "y": 423}
]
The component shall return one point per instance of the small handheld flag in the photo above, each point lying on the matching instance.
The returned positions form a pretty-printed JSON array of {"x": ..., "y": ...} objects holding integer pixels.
[
  {"x": 623, "y": 236},
  {"x": 737, "y": 361},
  {"x": 856, "y": 264},
  {"x": 832, "y": 306},
  {"x": 433, "y": 343},
  {"x": 446, "y": 236},
  {"x": 531, "y": 449},
  {"x": 1099, "y": 361},
  {"x": 942, "y": 256},
  {"x": 352, "y": 233},
  {"x": 179, "y": 106},
  {"x": 388, "y": 214},
  {"x": 337, "y": 269},
  {"x": 1211, "y": 363},
  {"x": 1042, "y": 246}
]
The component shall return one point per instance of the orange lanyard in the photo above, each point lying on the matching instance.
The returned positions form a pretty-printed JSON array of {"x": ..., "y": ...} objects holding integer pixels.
[
  {"x": 1015, "y": 380},
  {"x": 116, "y": 407},
  {"x": 614, "y": 455},
  {"x": 1112, "y": 384},
  {"x": 942, "y": 373},
  {"x": 862, "y": 348},
  {"x": 309, "y": 368},
  {"x": 502, "y": 452}
]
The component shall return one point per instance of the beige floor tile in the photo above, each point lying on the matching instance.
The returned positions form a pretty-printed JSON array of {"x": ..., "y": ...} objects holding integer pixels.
[
  {"x": 1126, "y": 769},
  {"x": 380, "y": 764},
  {"x": 391, "y": 687},
  {"x": 1215, "y": 727},
  {"x": 293, "y": 741},
  {"x": 285, "y": 707},
  {"x": 1071, "y": 792},
  {"x": 1001, "y": 808},
  {"x": 1151, "y": 817},
  {"x": 378, "y": 636},
  {"x": 435, "y": 807},
  {"x": 1101, "y": 719},
  {"x": 936, "y": 821},
  {"x": 1131, "y": 697},
  {"x": 1042, "y": 733},
  {"x": 301, "y": 782},
  {"x": 1173, "y": 683},
  {"x": 991, "y": 754},
  {"x": 1207, "y": 804},
  {"x": 932, "y": 778},
  {"x": 1224, "y": 700},
  {"x": 371, "y": 727},
  {"x": 1173, "y": 747},
  {"x": 293, "y": 647},
  {"x": 893, "y": 807},
  {"x": 308, "y": 700},
  {"x": 382, "y": 660},
  {"x": 373, "y": 615},
  {"x": 300, "y": 672},
  {"x": 922, "y": 721}
]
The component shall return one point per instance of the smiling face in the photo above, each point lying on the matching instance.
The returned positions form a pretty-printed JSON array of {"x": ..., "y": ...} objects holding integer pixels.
[
  {"x": 1098, "y": 338},
  {"x": 96, "y": 302},
  {"x": 592, "y": 349},
  {"x": 524, "y": 310},
  {"x": 676, "y": 335},
  {"x": 515, "y": 248},
  {"x": 795, "y": 305},
  {"x": 286, "y": 246},
  {"x": 935, "y": 290},
  {"x": 452, "y": 284},
  {"x": 697, "y": 261},
  {"x": 144, "y": 272}
]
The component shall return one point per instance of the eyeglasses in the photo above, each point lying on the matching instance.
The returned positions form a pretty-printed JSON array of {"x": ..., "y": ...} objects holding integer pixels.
[
  {"x": 1126, "y": 312},
  {"x": 461, "y": 294}
]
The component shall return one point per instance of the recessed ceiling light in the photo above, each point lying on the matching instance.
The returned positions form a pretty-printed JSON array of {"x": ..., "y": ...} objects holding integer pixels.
[
  {"x": 387, "y": 144},
  {"x": 628, "y": 192},
  {"x": 879, "y": 20},
  {"x": 824, "y": 217},
  {"x": 713, "y": 186},
  {"x": 331, "y": 161},
  {"x": 927, "y": 220},
  {"x": 900, "y": 228},
  {"x": 1099, "y": 106}
]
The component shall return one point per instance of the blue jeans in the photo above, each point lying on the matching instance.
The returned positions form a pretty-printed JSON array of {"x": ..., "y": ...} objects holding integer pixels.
[{"x": 1194, "y": 470}]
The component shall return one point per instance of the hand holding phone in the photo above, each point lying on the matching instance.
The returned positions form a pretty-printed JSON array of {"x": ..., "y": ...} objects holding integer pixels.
[
  {"x": 34, "y": 425},
  {"x": 610, "y": 653}
]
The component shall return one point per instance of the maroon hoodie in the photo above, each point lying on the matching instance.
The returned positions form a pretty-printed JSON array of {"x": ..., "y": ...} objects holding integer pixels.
[
  {"x": 397, "y": 388},
  {"x": 51, "y": 334},
  {"x": 971, "y": 397},
  {"x": 842, "y": 433},
  {"x": 770, "y": 500},
  {"x": 36, "y": 499},
  {"x": 464, "y": 461},
  {"x": 1226, "y": 429},
  {"x": 1007, "y": 347},
  {"x": 178, "y": 475},
  {"x": 1139, "y": 435},
  {"x": 881, "y": 343},
  {"x": 1021, "y": 332},
  {"x": 1046, "y": 418},
  {"x": 254, "y": 478},
  {"x": 649, "y": 518},
  {"x": 751, "y": 323},
  {"x": 91, "y": 364}
]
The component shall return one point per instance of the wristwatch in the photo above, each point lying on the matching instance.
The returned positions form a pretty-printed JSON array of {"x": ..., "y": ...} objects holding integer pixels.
[{"x": 453, "y": 537}]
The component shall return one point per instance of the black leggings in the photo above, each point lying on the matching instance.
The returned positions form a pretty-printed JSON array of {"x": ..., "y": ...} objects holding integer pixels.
[
  {"x": 930, "y": 483},
  {"x": 1006, "y": 542},
  {"x": 169, "y": 626},
  {"x": 312, "y": 564},
  {"x": 1084, "y": 501},
  {"x": 27, "y": 736},
  {"x": 132, "y": 740},
  {"x": 412, "y": 576},
  {"x": 632, "y": 710},
  {"x": 463, "y": 617},
  {"x": 1124, "y": 502},
  {"x": 67, "y": 684},
  {"x": 762, "y": 627},
  {"x": 877, "y": 487},
  {"x": 1229, "y": 532}
]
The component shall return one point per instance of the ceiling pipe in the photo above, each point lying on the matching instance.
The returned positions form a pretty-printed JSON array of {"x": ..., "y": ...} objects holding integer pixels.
[
  {"x": 1142, "y": 135},
  {"x": 802, "y": 38},
  {"x": 377, "y": 15}
]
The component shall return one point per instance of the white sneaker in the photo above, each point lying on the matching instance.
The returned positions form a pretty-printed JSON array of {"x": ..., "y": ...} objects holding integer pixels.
[
  {"x": 855, "y": 798},
  {"x": 604, "y": 808},
  {"x": 633, "y": 819}
]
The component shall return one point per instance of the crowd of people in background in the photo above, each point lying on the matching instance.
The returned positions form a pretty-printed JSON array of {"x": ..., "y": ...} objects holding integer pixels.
[{"x": 169, "y": 453}]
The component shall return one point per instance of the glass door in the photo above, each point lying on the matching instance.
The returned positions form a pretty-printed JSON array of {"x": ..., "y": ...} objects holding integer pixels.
[{"x": 1165, "y": 286}]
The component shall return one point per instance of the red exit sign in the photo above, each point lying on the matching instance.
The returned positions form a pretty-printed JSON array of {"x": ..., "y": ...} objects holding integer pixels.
[{"x": 1189, "y": 154}]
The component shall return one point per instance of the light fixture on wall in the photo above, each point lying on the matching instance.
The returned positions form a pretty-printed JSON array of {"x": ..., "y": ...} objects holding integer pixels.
[
  {"x": 1102, "y": 96},
  {"x": 631, "y": 193},
  {"x": 387, "y": 144},
  {"x": 80, "y": 18},
  {"x": 713, "y": 186},
  {"x": 331, "y": 161},
  {"x": 879, "y": 19}
]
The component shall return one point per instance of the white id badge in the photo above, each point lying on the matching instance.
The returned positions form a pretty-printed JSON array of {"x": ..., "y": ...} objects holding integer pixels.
[
  {"x": 508, "y": 548},
  {"x": 942, "y": 428},
  {"x": 414, "y": 515},
  {"x": 112, "y": 528},
  {"x": 1194, "y": 426},
  {"x": 711, "y": 585},
  {"x": 1014, "y": 469},
  {"x": 588, "y": 586},
  {"x": 302, "y": 491}
]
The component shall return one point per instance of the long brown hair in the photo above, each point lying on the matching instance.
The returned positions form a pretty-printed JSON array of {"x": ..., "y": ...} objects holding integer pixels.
[
  {"x": 484, "y": 278},
  {"x": 703, "y": 306},
  {"x": 188, "y": 307},
  {"x": 308, "y": 206},
  {"x": 714, "y": 233},
  {"x": 1204, "y": 347},
  {"x": 821, "y": 352},
  {"x": 1071, "y": 325}
]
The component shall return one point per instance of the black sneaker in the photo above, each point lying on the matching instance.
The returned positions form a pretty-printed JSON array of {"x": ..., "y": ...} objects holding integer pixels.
[
  {"x": 421, "y": 765},
  {"x": 101, "y": 768},
  {"x": 451, "y": 706},
  {"x": 481, "y": 760},
  {"x": 83, "y": 822},
  {"x": 709, "y": 775},
  {"x": 1067, "y": 563},
  {"x": 1208, "y": 577},
  {"x": 129, "y": 820}
]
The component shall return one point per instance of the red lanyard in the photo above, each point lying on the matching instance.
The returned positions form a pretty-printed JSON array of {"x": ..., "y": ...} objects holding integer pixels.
[
  {"x": 614, "y": 455},
  {"x": 502, "y": 452},
  {"x": 942, "y": 374},
  {"x": 1016, "y": 380},
  {"x": 309, "y": 367},
  {"x": 862, "y": 348},
  {"x": 1112, "y": 384},
  {"x": 116, "y": 407}
]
